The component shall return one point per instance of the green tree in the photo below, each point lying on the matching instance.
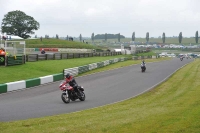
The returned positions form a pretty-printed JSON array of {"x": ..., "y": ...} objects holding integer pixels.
[
  {"x": 180, "y": 37},
  {"x": 147, "y": 37},
  {"x": 106, "y": 37},
  {"x": 80, "y": 37},
  {"x": 133, "y": 36},
  {"x": 18, "y": 23},
  {"x": 109, "y": 36},
  {"x": 92, "y": 37},
  {"x": 196, "y": 37},
  {"x": 119, "y": 37},
  {"x": 163, "y": 37},
  {"x": 57, "y": 37}
]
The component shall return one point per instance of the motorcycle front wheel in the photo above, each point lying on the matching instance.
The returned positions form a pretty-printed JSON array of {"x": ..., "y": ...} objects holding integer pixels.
[
  {"x": 82, "y": 96},
  {"x": 65, "y": 98}
]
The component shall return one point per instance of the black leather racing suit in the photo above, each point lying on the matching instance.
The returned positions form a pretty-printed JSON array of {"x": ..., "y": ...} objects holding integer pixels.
[{"x": 72, "y": 82}]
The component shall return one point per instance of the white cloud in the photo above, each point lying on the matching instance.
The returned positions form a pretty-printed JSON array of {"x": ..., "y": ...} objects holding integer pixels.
[
  {"x": 75, "y": 17},
  {"x": 97, "y": 11}
]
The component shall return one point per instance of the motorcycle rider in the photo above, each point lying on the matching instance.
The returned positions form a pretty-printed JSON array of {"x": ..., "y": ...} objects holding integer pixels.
[
  {"x": 72, "y": 82},
  {"x": 143, "y": 64},
  {"x": 42, "y": 51},
  {"x": 181, "y": 57}
]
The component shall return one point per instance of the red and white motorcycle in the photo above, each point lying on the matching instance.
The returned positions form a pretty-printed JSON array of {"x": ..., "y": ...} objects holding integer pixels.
[{"x": 68, "y": 93}]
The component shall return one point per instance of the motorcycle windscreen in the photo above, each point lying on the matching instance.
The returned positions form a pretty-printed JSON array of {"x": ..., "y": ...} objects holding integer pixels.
[{"x": 80, "y": 88}]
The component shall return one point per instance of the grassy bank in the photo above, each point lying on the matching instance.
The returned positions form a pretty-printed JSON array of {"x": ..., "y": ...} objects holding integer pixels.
[
  {"x": 56, "y": 43},
  {"x": 173, "y": 106}
]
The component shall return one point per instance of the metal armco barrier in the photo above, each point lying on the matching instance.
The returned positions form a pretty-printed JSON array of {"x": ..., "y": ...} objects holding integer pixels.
[
  {"x": 82, "y": 69},
  {"x": 58, "y": 56},
  {"x": 49, "y": 49}
]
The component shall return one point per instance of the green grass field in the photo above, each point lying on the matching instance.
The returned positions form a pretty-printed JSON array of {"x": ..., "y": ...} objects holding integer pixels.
[
  {"x": 57, "y": 43},
  {"x": 173, "y": 106}
]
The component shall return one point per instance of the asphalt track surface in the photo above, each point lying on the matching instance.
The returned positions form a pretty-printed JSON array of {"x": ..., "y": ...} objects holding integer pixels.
[{"x": 101, "y": 88}]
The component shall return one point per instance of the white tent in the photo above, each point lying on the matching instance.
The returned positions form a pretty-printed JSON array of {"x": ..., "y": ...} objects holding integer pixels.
[{"x": 10, "y": 37}]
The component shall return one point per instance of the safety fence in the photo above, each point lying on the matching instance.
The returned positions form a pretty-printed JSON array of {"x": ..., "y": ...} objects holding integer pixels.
[
  {"x": 81, "y": 69},
  {"x": 59, "y": 56},
  {"x": 64, "y": 50},
  {"x": 145, "y": 57}
]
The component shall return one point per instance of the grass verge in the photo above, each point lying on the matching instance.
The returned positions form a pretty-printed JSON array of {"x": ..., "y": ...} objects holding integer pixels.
[
  {"x": 146, "y": 54},
  {"x": 173, "y": 106}
]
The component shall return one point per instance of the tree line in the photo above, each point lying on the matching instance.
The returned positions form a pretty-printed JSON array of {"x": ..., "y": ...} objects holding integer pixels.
[
  {"x": 180, "y": 37},
  {"x": 106, "y": 36},
  {"x": 112, "y": 36},
  {"x": 20, "y": 24}
]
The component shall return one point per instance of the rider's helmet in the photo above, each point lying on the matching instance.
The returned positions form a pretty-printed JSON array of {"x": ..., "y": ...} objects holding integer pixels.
[
  {"x": 143, "y": 61},
  {"x": 67, "y": 75},
  {"x": 2, "y": 49}
]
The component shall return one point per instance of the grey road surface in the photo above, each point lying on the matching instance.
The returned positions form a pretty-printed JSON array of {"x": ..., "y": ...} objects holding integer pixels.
[{"x": 100, "y": 89}]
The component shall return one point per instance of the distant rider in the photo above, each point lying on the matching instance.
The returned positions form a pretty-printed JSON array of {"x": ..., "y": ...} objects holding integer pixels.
[
  {"x": 42, "y": 51},
  {"x": 143, "y": 64},
  {"x": 181, "y": 57},
  {"x": 71, "y": 81}
]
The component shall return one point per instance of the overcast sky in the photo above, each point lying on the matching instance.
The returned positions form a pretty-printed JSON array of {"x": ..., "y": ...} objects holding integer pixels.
[{"x": 75, "y": 17}]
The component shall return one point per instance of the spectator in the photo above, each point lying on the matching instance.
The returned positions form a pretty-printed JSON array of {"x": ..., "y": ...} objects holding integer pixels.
[
  {"x": 2, "y": 51},
  {"x": 4, "y": 38}
]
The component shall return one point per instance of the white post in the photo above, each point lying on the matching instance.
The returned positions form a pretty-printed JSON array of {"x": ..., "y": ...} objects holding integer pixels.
[
  {"x": 5, "y": 46},
  {"x": 14, "y": 45},
  {"x": 122, "y": 48},
  {"x": 24, "y": 52},
  {"x": 1, "y": 36}
]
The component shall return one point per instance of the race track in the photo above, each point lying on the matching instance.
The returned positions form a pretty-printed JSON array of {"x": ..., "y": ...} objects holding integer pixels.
[{"x": 100, "y": 89}]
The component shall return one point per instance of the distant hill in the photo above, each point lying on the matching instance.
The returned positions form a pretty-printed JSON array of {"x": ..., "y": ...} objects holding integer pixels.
[{"x": 109, "y": 36}]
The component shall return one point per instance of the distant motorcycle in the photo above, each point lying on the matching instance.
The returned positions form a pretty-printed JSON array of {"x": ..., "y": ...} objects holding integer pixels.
[
  {"x": 143, "y": 67},
  {"x": 43, "y": 52},
  {"x": 181, "y": 58},
  {"x": 68, "y": 93}
]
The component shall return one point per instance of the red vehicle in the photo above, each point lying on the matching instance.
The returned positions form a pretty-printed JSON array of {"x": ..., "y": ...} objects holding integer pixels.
[{"x": 68, "y": 93}]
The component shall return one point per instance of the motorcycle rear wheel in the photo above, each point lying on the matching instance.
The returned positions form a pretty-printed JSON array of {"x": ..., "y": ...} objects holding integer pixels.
[{"x": 65, "y": 98}]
